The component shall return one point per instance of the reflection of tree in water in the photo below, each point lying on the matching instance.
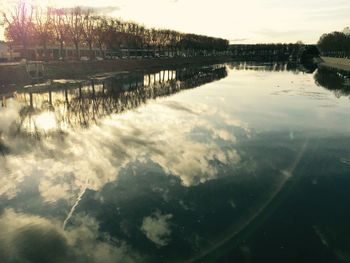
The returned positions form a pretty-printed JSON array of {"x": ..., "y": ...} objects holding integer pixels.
[
  {"x": 256, "y": 66},
  {"x": 276, "y": 66},
  {"x": 86, "y": 104},
  {"x": 333, "y": 80}
]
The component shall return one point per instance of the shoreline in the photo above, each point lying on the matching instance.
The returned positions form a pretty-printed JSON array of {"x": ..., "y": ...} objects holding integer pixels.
[
  {"x": 16, "y": 73},
  {"x": 342, "y": 64}
]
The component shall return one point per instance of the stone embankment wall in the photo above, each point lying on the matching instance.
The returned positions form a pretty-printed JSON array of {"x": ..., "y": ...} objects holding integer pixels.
[
  {"x": 82, "y": 69},
  {"x": 13, "y": 73}
]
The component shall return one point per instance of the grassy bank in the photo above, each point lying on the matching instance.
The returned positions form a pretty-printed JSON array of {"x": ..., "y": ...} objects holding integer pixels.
[{"x": 336, "y": 63}]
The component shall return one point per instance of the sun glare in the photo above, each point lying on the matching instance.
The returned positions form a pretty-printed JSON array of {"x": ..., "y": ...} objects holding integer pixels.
[{"x": 46, "y": 121}]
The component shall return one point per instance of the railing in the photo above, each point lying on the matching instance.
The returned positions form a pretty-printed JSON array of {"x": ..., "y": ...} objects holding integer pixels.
[{"x": 35, "y": 69}]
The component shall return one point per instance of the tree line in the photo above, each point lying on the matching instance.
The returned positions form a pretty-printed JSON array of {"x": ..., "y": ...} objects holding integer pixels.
[
  {"x": 27, "y": 25},
  {"x": 335, "y": 44},
  {"x": 259, "y": 52}
]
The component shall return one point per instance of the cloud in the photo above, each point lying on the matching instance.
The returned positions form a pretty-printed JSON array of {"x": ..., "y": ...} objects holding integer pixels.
[
  {"x": 5, "y": 4},
  {"x": 33, "y": 239},
  {"x": 338, "y": 12},
  {"x": 280, "y": 33},
  {"x": 156, "y": 228},
  {"x": 101, "y": 10},
  {"x": 238, "y": 39}
]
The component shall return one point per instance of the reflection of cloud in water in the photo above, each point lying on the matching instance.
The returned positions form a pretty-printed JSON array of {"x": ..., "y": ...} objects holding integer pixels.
[
  {"x": 178, "y": 106},
  {"x": 28, "y": 238},
  {"x": 46, "y": 121},
  {"x": 8, "y": 115},
  {"x": 154, "y": 132},
  {"x": 174, "y": 150},
  {"x": 156, "y": 228}
]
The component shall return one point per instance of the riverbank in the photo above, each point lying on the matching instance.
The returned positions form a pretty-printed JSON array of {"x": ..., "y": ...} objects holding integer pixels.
[
  {"x": 16, "y": 74},
  {"x": 336, "y": 63},
  {"x": 13, "y": 73},
  {"x": 82, "y": 69}
]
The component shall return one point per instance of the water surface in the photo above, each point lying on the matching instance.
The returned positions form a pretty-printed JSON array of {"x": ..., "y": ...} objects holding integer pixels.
[{"x": 239, "y": 162}]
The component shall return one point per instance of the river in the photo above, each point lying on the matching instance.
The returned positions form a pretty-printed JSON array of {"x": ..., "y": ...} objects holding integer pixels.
[{"x": 237, "y": 162}]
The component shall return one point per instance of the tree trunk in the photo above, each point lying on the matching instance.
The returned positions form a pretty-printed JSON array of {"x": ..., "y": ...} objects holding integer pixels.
[
  {"x": 101, "y": 50},
  {"x": 25, "y": 51},
  {"x": 90, "y": 49},
  {"x": 61, "y": 50},
  {"x": 77, "y": 50},
  {"x": 45, "y": 52}
]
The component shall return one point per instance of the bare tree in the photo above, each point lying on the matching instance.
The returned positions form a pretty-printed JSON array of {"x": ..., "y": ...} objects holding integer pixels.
[
  {"x": 19, "y": 25},
  {"x": 100, "y": 33},
  {"x": 89, "y": 29},
  {"x": 60, "y": 28},
  {"x": 43, "y": 28},
  {"x": 75, "y": 28}
]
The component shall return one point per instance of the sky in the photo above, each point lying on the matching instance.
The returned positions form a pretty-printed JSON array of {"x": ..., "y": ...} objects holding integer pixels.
[{"x": 247, "y": 21}]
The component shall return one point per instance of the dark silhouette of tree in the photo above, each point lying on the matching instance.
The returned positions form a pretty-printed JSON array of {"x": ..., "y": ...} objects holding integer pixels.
[
  {"x": 75, "y": 23},
  {"x": 89, "y": 29},
  {"x": 81, "y": 27},
  {"x": 100, "y": 33},
  {"x": 335, "y": 44},
  {"x": 60, "y": 28},
  {"x": 277, "y": 52}
]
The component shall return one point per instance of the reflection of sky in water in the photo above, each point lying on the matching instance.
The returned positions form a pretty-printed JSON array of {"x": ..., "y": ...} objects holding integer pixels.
[{"x": 178, "y": 173}]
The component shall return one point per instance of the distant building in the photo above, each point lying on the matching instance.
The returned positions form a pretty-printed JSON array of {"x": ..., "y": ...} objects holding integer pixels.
[
  {"x": 3, "y": 51},
  {"x": 6, "y": 53},
  {"x": 53, "y": 52}
]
